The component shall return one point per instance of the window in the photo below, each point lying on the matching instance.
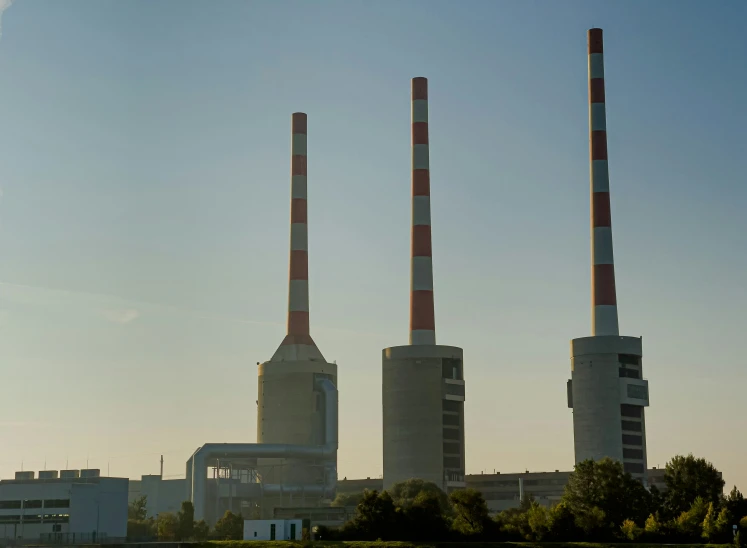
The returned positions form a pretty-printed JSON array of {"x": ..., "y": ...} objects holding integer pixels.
[
  {"x": 631, "y": 411},
  {"x": 452, "y": 462},
  {"x": 451, "y": 406},
  {"x": 633, "y": 467},
  {"x": 32, "y": 503},
  {"x": 630, "y": 439},
  {"x": 451, "y": 369},
  {"x": 32, "y": 518},
  {"x": 629, "y": 359},
  {"x": 10, "y": 504},
  {"x": 451, "y": 447},
  {"x": 455, "y": 389},
  {"x": 10, "y": 519},
  {"x": 638, "y": 392},
  {"x": 633, "y": 454},
  {"x": 57, "y": 503},
  {"x": 631, "y": 373},
  {"x": 451, "y": 420},
  {"x": 451, "y": 434},
  {"x": 631, "y": 426}
]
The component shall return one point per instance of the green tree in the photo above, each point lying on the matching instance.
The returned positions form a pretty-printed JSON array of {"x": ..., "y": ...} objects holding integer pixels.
[
  {"x": 230, "y": 527},
  {"x": 141, "y": 529},
  {"x": 168, "y": 526},
  {"x": 592, "y": 522},
  {"x": 424, "y": 518},
  {"x": 688, "y": 478},
  {"x": 604, "y": 485},
  {"x": 630, "y": 530},
  {"x": 736, "y": 504},
  {"x": 689, "y": 524},
  {"x": 652, "y": 529},
  {"x": 202, "y": 531},
  {"x": 186, "y": 518},
  {"x": 404, "y": 493},
  {"x": 562, "y": 523},
  {"x": 347, "y": 499},
  {"x": 471, "y": 516},
  {"x": 375, "y": 517},
  {"x": 137, "y": 509},
  {"x": 538, "y": 519}
]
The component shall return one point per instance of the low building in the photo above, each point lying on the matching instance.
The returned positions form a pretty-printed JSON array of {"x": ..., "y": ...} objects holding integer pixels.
[
  {"x": 79, "y": 507},
  {"x": 328, "y": 516},
  {"x": 275, "y": 529}
]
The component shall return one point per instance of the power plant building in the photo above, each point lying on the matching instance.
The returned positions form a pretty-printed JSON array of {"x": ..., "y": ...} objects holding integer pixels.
[
  {"x": 607, "y": 391},
  {"x": 294, "y": 461},
  {"x": 422, "y": 383}
]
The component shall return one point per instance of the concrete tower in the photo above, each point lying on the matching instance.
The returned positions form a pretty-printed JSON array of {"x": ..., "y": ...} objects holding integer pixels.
[
  {"x": 422, "y": 383},
  {"x": 291, "y": 404},
  {"x": 607, "y": 391}
]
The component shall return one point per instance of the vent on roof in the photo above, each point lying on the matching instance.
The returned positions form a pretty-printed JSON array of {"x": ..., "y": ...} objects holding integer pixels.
[
  {"x": 90, "y": 473},
  {"x": 48, "y": 474},
  {"x": 24, "y": 475},
  {"x": 69, "y": 474}
]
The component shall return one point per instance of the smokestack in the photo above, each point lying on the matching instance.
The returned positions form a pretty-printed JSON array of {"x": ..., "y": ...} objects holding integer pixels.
[
  {"x": 604, "y": 301},
  {"x": 422, "y": 316},
  {"x": 298, "y": 344}
]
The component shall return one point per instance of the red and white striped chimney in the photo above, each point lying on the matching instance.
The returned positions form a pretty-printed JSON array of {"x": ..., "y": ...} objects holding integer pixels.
[
  {"x": 298, "y": 344},
  {"x": 422, "y": 317},
  {"x": 604, "y": 301}
]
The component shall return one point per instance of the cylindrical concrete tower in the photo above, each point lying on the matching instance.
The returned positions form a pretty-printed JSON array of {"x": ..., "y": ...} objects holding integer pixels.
[
  {"x": 422, "y": 383},
  {"x": 290, "y": 407},
  {"x": 607, "y": 391}
]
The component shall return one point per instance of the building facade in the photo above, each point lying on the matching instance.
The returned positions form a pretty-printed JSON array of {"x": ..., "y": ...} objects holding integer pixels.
[{"x": 82, "y": 508}]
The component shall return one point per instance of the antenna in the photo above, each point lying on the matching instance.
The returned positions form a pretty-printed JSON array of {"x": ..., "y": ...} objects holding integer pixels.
[{"x": 161, "y": 466}]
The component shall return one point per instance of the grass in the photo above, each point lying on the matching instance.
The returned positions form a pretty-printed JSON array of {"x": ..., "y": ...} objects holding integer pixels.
[{"x": 390, "y": 544}]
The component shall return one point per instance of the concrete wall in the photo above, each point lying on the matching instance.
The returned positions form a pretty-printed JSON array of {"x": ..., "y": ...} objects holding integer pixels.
[
  {"x": 413, "y": 391},
  {"x": 597, "y": 392}
]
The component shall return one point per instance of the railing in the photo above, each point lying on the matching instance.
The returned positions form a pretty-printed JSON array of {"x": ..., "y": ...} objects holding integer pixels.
[{"x": 77, "y": 538}]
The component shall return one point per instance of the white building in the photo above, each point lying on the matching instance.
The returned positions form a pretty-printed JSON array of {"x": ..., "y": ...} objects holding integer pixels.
[
  {"x": 274, "y": 529},
  {"x": 78, "y": 506}
]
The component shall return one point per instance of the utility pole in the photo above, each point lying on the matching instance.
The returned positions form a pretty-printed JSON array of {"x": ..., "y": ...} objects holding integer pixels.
[{"x": 161, "y": 466}]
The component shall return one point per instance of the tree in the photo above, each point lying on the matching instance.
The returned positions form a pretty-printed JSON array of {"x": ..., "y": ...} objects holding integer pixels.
[
  {"x": 186, "y": 519},
  {"x": 141, "y": 529},
  {"x": 404, "y": 493},
  {"x": 347, "y": 499},
  {"x": 689, "y": 524},
  {"x": 653, "y": 528},
  {"x": 201, "y": 530},
  {"x": 688, "y": 478},
  {"x": 375, "y": 517},
  {"x": 230, "y": 526},
  {"x": 538, "y": 519},
  {"x": 606, "y": 486},
  {"x": 424, "y": 518},
  {"x": 561, "y": 523},
  {"x": 630, "y": 530},
  {"x": 137, "y": 509},
  {"x": 168, "y": 526},
  {"x": 471, "y": 514},
  {"x": 736, "y": 504}
]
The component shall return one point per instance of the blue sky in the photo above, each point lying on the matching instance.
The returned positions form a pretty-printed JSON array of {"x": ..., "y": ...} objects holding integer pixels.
[{"x": 144, "y": 217}]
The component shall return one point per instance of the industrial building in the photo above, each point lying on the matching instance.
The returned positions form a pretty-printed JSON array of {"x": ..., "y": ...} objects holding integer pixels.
[
  {"x": 422, "y": 383},
  {"x": 69, "y": 506},
  {"x": 294, "y": 461},
  {"x": 162, "y": 495},
  {"x": 275, "y": 529},
  {"x": 607, "y": 391}
]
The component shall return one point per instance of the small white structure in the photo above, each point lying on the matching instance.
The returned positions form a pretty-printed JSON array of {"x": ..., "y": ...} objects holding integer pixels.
[{"x": 273, "y": 529}]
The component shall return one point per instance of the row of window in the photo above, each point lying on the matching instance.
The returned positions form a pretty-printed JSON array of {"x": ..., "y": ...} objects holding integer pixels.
[
  {"x": 632, "y": 439},
  {"x": 633, "y": 467},
  {"x": 37, "y": 503},
  {"x": 452, "y": 448},
  {"x": 451, "y": 434},
  {"x": 629, "y": 359},
  {"x": 632, "y": 411},
  {"x": 35, "y": 518},
  {"x": 633, "y": 454},
  {"x": 451, "y": 420},
  {"x": 631, "y": 373},
  {"x": 452, "y": 406},
  {"x": 451, "y": 369},
  {"x": 632, "y": 426}
]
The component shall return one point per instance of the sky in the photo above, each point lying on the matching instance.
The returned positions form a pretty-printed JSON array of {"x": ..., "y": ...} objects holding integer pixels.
[{"x": 144, "y": 218}]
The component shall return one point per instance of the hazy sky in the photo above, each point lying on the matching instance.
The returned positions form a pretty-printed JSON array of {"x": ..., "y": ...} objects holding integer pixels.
[{"x": 145, "y": 207}]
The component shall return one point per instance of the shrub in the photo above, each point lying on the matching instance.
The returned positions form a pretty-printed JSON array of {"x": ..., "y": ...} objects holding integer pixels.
[{"x": 630, "y": 530}]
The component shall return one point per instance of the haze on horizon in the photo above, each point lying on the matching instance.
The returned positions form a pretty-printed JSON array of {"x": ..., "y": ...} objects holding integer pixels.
[{"x": 144, "y": 218}]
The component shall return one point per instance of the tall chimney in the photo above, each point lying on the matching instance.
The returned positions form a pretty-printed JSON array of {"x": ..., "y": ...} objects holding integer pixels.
[
  {"x": 298, "y": 344},
  {"x": 422, "y": 317},
  {"x": 604, "y": 301}
]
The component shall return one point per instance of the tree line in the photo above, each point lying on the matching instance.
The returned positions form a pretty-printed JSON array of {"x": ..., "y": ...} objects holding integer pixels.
[
  {"x": 180, "y": 526},
  {"x": 601, "y": 503}
]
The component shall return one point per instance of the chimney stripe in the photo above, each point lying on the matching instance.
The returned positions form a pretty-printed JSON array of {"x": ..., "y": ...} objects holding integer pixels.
[
  {"x": 604, "y": 299},
  {"x": 298, "y": 284},
  {"x": 422, "y": 316}
]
